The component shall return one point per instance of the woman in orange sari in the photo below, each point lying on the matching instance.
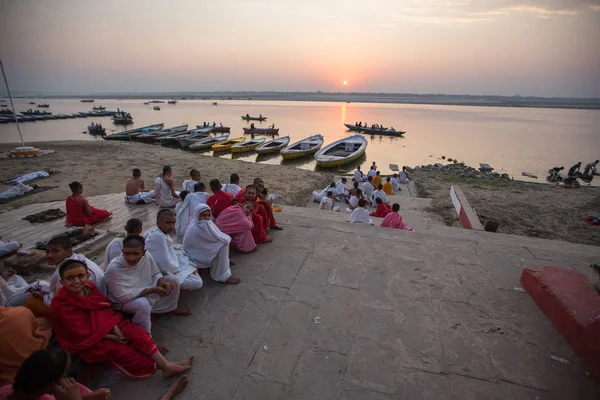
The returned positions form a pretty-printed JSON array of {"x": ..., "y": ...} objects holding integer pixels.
[{"x": 79, "y": 211}]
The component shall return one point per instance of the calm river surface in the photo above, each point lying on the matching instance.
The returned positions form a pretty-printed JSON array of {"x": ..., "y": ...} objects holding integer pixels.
[{"x": 511, "y": 140}]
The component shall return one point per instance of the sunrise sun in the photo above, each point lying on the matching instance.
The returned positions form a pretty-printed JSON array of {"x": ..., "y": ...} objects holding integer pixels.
[{"x": 345, "y": 83}]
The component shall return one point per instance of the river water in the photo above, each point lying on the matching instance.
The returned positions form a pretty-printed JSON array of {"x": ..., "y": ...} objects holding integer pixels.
[{"x": 511, "y": 140}]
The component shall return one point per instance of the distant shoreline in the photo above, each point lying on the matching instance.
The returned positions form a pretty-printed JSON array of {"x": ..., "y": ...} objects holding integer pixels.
[{"x": 384, "y": 98}]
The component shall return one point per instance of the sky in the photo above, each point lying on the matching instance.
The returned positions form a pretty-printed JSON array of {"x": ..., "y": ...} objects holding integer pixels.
[{"x": 505, "y": 47}]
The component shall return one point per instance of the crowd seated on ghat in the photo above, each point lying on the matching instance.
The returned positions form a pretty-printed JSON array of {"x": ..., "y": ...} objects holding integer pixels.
[{"x": 89, "y": 314}]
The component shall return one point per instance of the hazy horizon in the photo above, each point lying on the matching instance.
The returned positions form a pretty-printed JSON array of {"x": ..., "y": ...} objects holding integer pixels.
[{"x": 540, "y": 48}]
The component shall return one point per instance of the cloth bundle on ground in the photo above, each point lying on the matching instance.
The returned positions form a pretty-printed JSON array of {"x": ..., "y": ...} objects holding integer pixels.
[
  {"x": 20, "y": 190},
  {"x": 593, "y": 220},
  {"x": 47, "y": 215},
  {"x": 30, "y": 177}
]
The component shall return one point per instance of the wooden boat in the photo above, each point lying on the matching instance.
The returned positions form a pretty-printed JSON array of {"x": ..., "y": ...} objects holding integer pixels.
[
  {"x": 100, "y": 108},
  {"x": 35, "y": 113},
  {"x": 353, "y": 127},
  {"x": 248, "y": 145},
  {"x": 43, "y": 105},
  {"x": 342, "y": 151},
  {"x": 221, "y": 129},
  {"x": 304, "y": 147},
  {"x": 32, "y": 102},
  {"x": 227, "y": 145},
  {"x": 87, "y": 100},
  {"x": 191, "y": 136},
  {"x": 384, "y": 132},
  {"x": 122, "y": 118},
  {"x": 261, "y": 131},
  {"x": 156, "y": 136},
  {"x": 208, "y": 142},
  {"x": 125, "y": 134},
  {"x": 172, "y": 102},
  {"x": 96, "y": 131},
  {"x": 273, "y": 146},
  {"x": 251, "y": 118},
  {"x": 156, "y": 108}
]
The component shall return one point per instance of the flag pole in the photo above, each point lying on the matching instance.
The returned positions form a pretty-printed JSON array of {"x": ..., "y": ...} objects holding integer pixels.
[{"x": 11, "y": 104}]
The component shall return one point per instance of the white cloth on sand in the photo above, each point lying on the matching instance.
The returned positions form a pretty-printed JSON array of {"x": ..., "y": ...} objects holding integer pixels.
[
  {"x": 18, "y": 190},
  {"x": 185, "y": 216},
  {"x": 360, "y": 216},
  {"x": 188, "y": 185},
  {"x": 207, "y": 246},
  {"x": 368, "y": 189},
  {"x": 353, "y": 201},
  {"x": 162, "y": 194},
  {"x": 30, "y": 177},
  {"x": 171, "y": 260},
  {"x": 96, "y": 275},
  {"x": 125, "y": 284},
  {"x": 146, "y": 197},
  {"x": 8, "y": 247},
  {"x": 231, "y": 188}
]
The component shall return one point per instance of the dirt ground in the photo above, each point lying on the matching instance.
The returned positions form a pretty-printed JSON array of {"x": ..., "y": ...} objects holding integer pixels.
[
  {"x": 104, "y": 167},
  {"x": 521, "y": 208}
]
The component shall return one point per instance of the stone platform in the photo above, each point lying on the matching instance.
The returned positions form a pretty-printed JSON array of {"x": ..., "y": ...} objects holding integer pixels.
[{"x": 331, "y": 310}]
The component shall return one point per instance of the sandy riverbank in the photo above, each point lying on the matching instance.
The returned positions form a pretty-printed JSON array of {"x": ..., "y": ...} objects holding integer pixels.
[
  {"x": 521, "y": 208},
  {"x": 104, "y": 167}
]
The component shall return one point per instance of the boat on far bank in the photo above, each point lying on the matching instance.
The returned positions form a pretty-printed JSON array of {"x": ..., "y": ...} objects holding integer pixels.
[
  {"x": 45, "y": 105},
  {"x": 87, "y": 100},
  {"x": 304, "y": 147},
  {"x": 273, "y": 146},
  {"x": 251, "y": 118},
  {"x": 342, "y": 151}
]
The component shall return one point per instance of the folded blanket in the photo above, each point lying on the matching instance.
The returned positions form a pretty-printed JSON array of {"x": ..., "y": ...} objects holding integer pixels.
[{"x": 47, "y": 215}]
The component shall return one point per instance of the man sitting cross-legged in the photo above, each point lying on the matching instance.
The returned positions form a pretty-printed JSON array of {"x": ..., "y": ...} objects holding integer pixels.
[
  {"x": 170, "y": 260},
  {"x": 133, "y": 227},
  {"x": 85, "y": 324},
  {"x": 136, "y": 285},
  {"x": 135, "y": 190},
  {"x": 208, "y": 247}
]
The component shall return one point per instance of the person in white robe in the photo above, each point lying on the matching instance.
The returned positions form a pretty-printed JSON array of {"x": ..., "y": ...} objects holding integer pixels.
[
  {"x": 395, "y": 183},
  {"x": 341, "y": 193},
  {"x": 164, "y": 193},
  {"x": 233, "y": 186},
  {"x": 378, "y": 194},
  {"x": 404, "y": 175},
  {"x": 185, "y": 216},
  {"x": 136, "y": 285},
  {"x": 208, "y": 247},
  {"x": 323, "y": 193},
  {"x": 14, "y": 291},
  {"x": 360, "y": 215},
  {"x": 368, "y": 188},
  {"x": 133, "y": 227},
  {"x": 8, "y": 247},
  {"x": 170, "y": 259},
  {"x": 372, "y": 172},
  {"x": 328, "y": 203},
  {"x": 358, "y": 176},
  {"x": 188, "y": 184}
]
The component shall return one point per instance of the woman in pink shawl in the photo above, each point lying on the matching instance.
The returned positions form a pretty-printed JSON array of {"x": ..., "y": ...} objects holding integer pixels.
[
  {"x": 394, "y": 219},
  {"x": 236, "y": 222}
]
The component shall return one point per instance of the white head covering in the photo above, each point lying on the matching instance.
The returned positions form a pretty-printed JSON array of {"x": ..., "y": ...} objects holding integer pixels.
[
  {"x": 360, "y": 216},
  {"x": 203, "y": 240},
  {"x": 185, "y": 216}
]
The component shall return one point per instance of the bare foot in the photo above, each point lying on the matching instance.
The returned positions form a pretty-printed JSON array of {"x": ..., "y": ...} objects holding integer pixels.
[
  {"x": 233, "y": 280},
  {"x": 162, "y": 349},
  {"x": 173, "y": 368},
  {"x": 100, "y": 394},
  {"x": 277, "y": 227},
  {"x": 176, "y": 388},
  {"x": 181, "y": 311}
]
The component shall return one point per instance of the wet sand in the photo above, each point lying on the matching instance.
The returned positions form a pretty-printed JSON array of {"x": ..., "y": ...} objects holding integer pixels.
[
  {"x": 105, "y": 166},
  {"x": 521, "y": 208}
]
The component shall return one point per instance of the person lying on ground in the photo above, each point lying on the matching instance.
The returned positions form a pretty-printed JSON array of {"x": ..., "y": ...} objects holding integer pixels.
[
  {"x": 22, "y": 335},
  {"x": 79, "y": 211},
  {"x": 42, "y": 376},
  {"x": 185, "y": 216},
  {"x": 188, "y": 184},
  {"x": 85, "y": 324},
  {"x": 171, "y": 261},
  {"x": 219, "y": 200},
  {"x": 133, "y": 227},
  {"x": 164, "y": 189},
  {"x": 208, "y": 247},
  {"x": 383, "y": 209},
  {"x": 135, "y": 190},
  {"x": 318, "y": 196},
  {"x": 136, "y": 285},
  {"x": 236, "y": 221}
]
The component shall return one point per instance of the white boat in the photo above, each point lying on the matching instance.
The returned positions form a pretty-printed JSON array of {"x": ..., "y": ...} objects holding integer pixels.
[
  {"x": 156, "y": 135},
  {"x": 194, "y": 134},
  {"x": 342, "y": 151},
  {"x": 208, "y": 142},
  {"x": 304, "y": 147},
  {"x": 273, "y": 146}
]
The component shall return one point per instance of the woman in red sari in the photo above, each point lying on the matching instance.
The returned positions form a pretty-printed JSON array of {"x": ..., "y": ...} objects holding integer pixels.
[
  {"x": 86, "y": 324},
  {"x": 79, "y": 211},
  {"x": 383, "y": 209}
]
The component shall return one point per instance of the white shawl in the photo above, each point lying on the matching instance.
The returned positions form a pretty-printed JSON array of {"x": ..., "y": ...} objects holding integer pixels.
[
  {"x": 126, "y": 282},
  {"x": 203, "y": 240},
  {"x": 340, "y": 188},
  {"x": 185, "y": 216},
  {"x": 368, "y": 189},
  {"x": 231, "y": 188},
  {"x": 168, "y": 259},
  {"x": 360, "y": 216},
  {"x": 188, "y": 185},
  {"x": 114, "y": 248},
  {"x": 358, "y": 176}
]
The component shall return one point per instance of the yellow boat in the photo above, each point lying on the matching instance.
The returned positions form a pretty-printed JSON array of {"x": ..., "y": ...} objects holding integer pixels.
[
  {"x": 24, "y": 151},
  {"x": 342, "y": 151},
  {"x": 248, "y": 145},
  {"x": 227, "y": 145},
  {"x": 304, "y": 147}
]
